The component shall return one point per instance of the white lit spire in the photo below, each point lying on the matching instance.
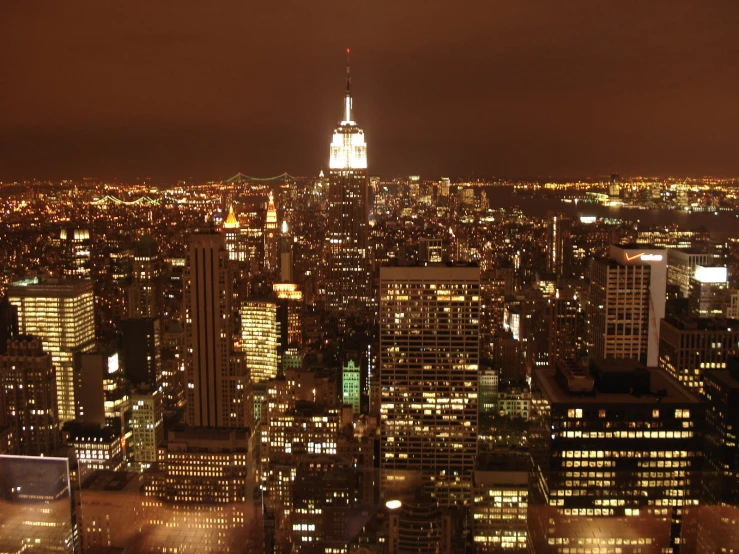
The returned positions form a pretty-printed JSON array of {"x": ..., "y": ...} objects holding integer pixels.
[
  {"x": 348, "y": 96},
  {"x": 348, "y": 149}
]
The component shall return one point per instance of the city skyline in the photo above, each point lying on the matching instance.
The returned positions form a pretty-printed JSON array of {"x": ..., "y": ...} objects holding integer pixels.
[{"x": 518, "y": 91}]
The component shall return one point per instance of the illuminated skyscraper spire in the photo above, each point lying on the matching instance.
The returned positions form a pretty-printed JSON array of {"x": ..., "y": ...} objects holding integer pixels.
[{"x": 348, "y": 117}]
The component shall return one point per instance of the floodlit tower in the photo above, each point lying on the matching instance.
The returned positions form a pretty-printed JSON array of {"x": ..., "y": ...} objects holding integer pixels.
[
  {"x": 271, "y": 237},
  {"x": 348, "y": 287}
]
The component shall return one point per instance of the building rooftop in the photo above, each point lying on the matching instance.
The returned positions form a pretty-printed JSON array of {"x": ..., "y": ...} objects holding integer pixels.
[
  {"x": 703, "y": 323},
  {"x": 662, "y": 389}
]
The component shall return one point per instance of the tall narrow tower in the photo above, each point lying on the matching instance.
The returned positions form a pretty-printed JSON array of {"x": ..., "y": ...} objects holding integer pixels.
[
  {"x": 348, "y": 285},
  {"x": 215, "y": 385}
]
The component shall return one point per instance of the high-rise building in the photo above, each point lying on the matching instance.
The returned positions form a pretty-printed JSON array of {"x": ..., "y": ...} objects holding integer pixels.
[
  {"x": 559, "y": 247},
  {"x": 626, "y": 301},
  {"x": 566, "y": 321},
  {"x": 688, "y": 347},
  {"x": 501, "y": 494},
  {"x": 721, "y": 394},
  {"x": 28, "y": 387},
  {"x": 76, "y": 252},
  {"x": 615, "y": 448},
  {"x": 145, "y": 293},
  {"x": 142, "y": 351},
  {"x": 348, "y": 283},
  {"x": 147, "y": 428},
  {"x": 681, "y": 264},
  {"x": 709, "y": 292},
  {"x": 289, "y": 314},
  {"x": 259, "y": 338},
  {"x": 8, "y": 322},
  {"x": 286, "y": 254},
  {"x": 429, "y": 356},
  {"x": 215, "y": 388},
  {"x": 271, "y": 237},
  {"x": 350, "y": 384},
  {"x": 235, "y": 242},
  {"x": 62, "y": 315}
]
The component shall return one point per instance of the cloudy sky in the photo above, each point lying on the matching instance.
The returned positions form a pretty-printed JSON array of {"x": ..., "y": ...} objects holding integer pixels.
[{"x": 524, "y": 88}]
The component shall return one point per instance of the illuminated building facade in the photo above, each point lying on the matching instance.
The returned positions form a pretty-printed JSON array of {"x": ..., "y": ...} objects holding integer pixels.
[
  {"x": 691, "y": 346},
  {"x": 235, "y": 243},
  {"x": 28, "y": 388},
  {"x": 626, "y": 301},
  {"x": 721, "y": 394},
  {"x": 708, "y": 291},
  {"x": 559, "y": 247},
  {"x": 286, "y": 255},
  {"x": 259, "y": 338},
  {"x": 350, "y": 384},
  {"x": 271, "y": 237},
  {"x": 200, "y": 465},
  {"x": 95, "y": 448},
  {"x": 429, "y": 356},
  {"x": 419, "y": 525},
  {"x": 567, "y": 326},
  {"x": 147, "y": 428},
  {"x": 500, "y": 504},
  {"x": 289, "y": 314},
  {"x": 145, "y": 292},
  {"x": 216, "y": 388},
  {"x": 76, "y": 246},
  {"x": 348, "y": 279},
  {"x": 62, "y": 315},
  {"x": 616, "y": 448},
  {"x": 681, "y": 264}
]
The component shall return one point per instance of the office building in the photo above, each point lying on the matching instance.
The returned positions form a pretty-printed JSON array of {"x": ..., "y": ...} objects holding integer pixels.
[
  {"x": 286, "y": 254},
  {"x": 28, "y": 388},
  {"x": 62, "y": 314},
  {"x": 615, "y": 448},
  {"x": 500, "y": 504},
  {"x": 289, "y": 315},
  {"x": 145, "y": 294},
  {"x": 721, "y": 394},
  {"x": 76, "y": 249},
  {"x": 567, "y": 326},
  {"x": 271, "y": 238},
  {"x": 348, "y": 283},
  {"x": 215, "y": 388},
  {"x": 259, "y": 338},
  {"x": 147, "y": 429},
  {"x": 688, "y": 347},
  {"x": 8, "y": 322},
  {"x": 236, "y": 243},
  {"x": 626, "y": 301},
  {"x": 350, "y": 384},
  {"x": 142, "y": 351},
  {"x": 681, "y": 264},
  {"x": 559, "y": 245},
  {"x": 95, "y": 448},
  {"x": 429, "y": 356},
  {"x": 709, "y": 292}
]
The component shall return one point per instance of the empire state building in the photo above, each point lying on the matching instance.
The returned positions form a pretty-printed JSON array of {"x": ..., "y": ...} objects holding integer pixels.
[{"x": 348, "y": 283}]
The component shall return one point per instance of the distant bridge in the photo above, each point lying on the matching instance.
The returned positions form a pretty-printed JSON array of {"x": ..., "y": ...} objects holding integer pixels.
[
  {"x": 240, "y": 178},
  {"x": 144, "y": 200}
]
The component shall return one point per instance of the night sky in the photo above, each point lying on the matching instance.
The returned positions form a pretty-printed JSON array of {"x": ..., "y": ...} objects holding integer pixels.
[{"x": 518, "y": 88}]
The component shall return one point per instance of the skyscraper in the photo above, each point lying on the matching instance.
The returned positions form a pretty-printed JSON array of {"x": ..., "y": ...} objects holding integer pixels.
[
  {"x": 626, "y": 301},
  {"x": 145, "y": 292},
  {"x": 62, "y": 315},
  {"x": 216, "y": 388},
  {"x": 429, "y": 356},
  {"x": 615, "y": 449},
  {"x": 271, "y": 237},
  {"x": 259, "y": 338},
  {"x": 348, "y": 285},
  {"x": 27, "y": 384}
]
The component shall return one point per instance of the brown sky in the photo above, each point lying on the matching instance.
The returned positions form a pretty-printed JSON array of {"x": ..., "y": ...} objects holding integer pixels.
[{"x": 199, "y": 88}]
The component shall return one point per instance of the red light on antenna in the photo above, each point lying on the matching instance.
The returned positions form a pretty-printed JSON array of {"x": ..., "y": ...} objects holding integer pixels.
[{"x": 347, "y": 51}]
